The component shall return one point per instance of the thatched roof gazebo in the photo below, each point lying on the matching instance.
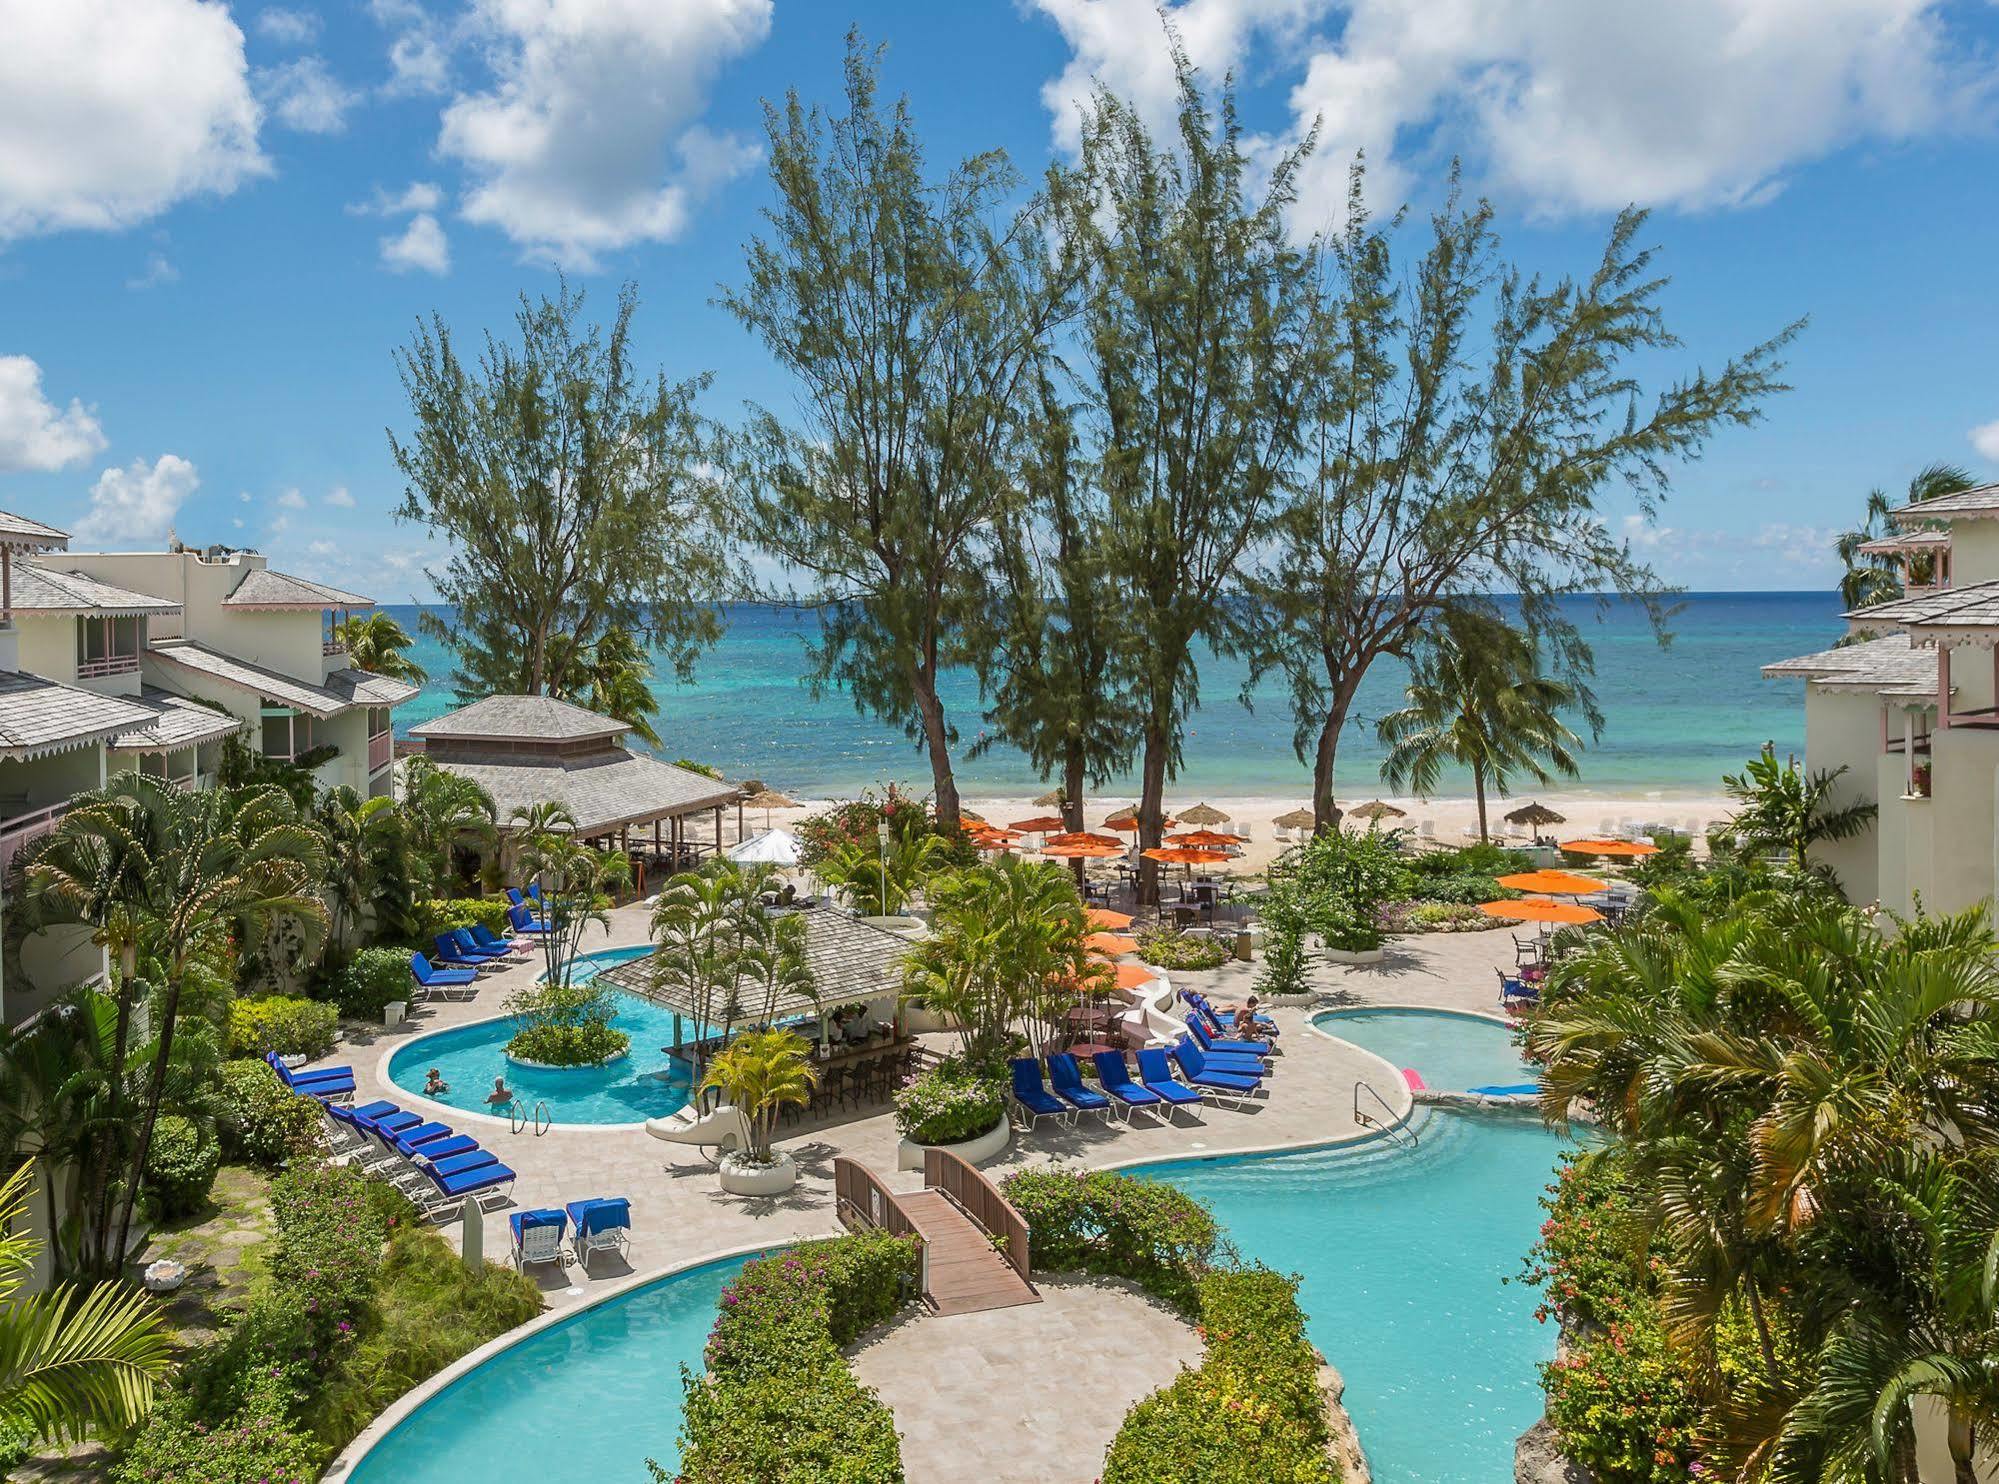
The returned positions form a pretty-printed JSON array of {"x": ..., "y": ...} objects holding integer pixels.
[{"x": 1203, "y": 813}]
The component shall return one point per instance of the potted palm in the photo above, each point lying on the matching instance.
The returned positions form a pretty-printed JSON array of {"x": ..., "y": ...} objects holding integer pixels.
[{"x": 757, "y": 1074}]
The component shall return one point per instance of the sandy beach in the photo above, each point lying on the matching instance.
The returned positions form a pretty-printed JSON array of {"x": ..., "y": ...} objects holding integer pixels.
[{"x": 1449, "y": 821}]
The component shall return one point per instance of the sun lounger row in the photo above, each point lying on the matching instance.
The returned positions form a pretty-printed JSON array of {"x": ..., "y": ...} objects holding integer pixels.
[
  {"x": 601, "y": 1225},
  {"x": 435, "y": 1166},
  {"x": 1203, "y": 1076},
  {"x": 328, "y": 1084}
]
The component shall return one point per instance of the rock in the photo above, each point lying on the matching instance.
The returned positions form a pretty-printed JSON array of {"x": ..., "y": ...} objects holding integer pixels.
[
  {"x": 1538, "y": 1459},
  {"x": 1344, "y": 1445}
]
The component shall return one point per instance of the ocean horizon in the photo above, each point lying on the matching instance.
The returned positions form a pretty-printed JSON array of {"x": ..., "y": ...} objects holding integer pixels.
[{"x": 1676, "y": 718}]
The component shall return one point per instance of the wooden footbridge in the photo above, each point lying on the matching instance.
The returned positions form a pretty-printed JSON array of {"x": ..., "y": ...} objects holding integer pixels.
[{"x": 973, "y": 1244}]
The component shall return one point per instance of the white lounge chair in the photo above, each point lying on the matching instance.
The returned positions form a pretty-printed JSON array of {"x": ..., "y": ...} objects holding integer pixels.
[{"x": 537, "y": 1237}]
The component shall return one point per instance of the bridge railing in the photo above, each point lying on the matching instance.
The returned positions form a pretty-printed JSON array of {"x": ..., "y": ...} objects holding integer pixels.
[
  {"x": 980, "y": 1199},
  {"x": 860, "y": 1199}
]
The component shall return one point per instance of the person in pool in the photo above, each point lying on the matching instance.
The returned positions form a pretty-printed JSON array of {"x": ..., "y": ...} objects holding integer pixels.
[
  {"x": 500, "y": 1093},
  {"x": 434, "y": 1084}
]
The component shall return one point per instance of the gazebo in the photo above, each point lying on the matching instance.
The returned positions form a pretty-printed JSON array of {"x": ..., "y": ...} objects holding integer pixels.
[{"x": 528, "y": 750}]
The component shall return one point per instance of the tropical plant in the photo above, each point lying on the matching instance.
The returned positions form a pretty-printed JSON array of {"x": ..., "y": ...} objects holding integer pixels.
[
  {"x": 575, "y": 880},
  {"x": 375, "y": 642},
  {"x": 949, "y": 1103},
  {"x": 1478, "y": 698},
  {"x": 879, "y": 879},
  {"x": 1876, "y": 577},
  {"x": 367, "y": 865},
  {"x": 613, "y": 677},
  {"x": 912, "y": 325},
  {"x": 1783, "y": 809},
  {"x": 70, "y": 1362},
  {"x": 1005, "y": 950},
  {"x": 565, "y": 1025},
  {"x": 569, "y": 489},
  {"x": 442, "y": 812},
  {"x": 758, "y": 1073}
]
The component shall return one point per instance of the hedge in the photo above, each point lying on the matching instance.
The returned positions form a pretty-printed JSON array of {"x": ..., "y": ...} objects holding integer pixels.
[
  {"x": 181, "y": 1162},
  {"x": 777, "y": 1402},
  {"x": 1252, "y": 1413},
  {"x": 370, "y": 980},
  {"x": 436, "y": 915},
  {"x": 263, "y": 1121},
  {"x": 284, "y": 1024},
  {"x": 1119, "y": 1225}
]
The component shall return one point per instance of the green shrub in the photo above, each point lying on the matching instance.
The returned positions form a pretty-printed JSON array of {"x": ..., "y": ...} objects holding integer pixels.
[
  {"x": 1434, "y": 917},
  {"x": 587, "y": 1045},
  {"x": 1170, "y": 950},
  {"x": 1462, "y": 860},
  {"x": 1625, "y": 1405},
  {"x": 370, "y": 980},
  {"x": 263, "y": 1121},
  {"x": 17, "y": 1443},
  {"x": 1119, "y": 1225},
  {"x": 436, "y": 915},
  {"x": 1251, "y": 1414},
  {"x": 1464, "y": 888},
  {"x": 948, "y": 1103},
  {"x": 281, "y": 1023},
  {"x": 1285, "y": 923},
  {"x": 1342, "y": 879},
  {"x": 181, "y": 1162},
  {"x": 257, "y": 1443}
]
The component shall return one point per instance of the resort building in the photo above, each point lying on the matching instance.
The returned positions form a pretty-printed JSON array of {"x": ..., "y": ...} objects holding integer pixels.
[{"x": 1910, "y": 708}]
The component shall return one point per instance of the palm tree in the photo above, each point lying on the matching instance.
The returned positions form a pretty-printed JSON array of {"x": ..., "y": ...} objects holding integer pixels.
[
  {"x": 613, "y": 678},
  {"x": 1872, "y": 577},
  {"x": 71, "y": 1362},
  {"x": 880, "y": 879},
  {"x": 443, "y": 812},
  {"x": 365, "y": 863},
  {"x": 1478, "y": 698},
  {"x": 575, "y": 879},
  {"x": 375, "y": 642},
  {"x": 1782, "y": 808},
  {"x": 759, "y": 1073}
]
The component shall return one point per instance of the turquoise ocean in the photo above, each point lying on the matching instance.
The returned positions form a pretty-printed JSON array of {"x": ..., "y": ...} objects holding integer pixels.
[{"x": 1676, "y": 718}]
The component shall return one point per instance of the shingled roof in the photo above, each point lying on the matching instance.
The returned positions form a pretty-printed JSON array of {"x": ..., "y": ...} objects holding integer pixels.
[
  {"x": 1975, "y": 605},
  {"x": 603, "y": 790},
  {"x": 40, "y": 589},
  {"x": 521, "y": 719},
  {"x": 22, "y": 534},
  {"x": 263, "y": 588},
  {"x": 343, "y": 690},
  {"x": 39, "y": 716},
  {"x": 1973, "y": 503},
  {"x": 1887, "y": 666},
  {"x": 177, "y": 722},
  {"x": 850, "y": 960}
]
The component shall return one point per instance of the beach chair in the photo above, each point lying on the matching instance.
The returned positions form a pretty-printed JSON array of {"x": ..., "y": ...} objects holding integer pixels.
[
  {"x": 329, "y": 1084},
  {"x": 441, "y": 982},
  {"x": 1156, "y": 1076},
  {"x": 1426, "y": 829},
  {"x": 527, "y": 924},
  {"x": 1031, "y": 1100},
  {"x": 432, "y": 1146},
  {"x": 537, "y": 1236},
  {"x": 1232, "y": 1088},
  {"x": 1065, "y": 1078},
  {"x": 601, "y": 1226},
  {"x": 449, "y": 1191},
  {"x": 1227, "y": 1061},
  {"x": 485, "y": 937},
  {"x": 1213, "y": 1045},
  {"x": 494, "y": 955},
  {"x": 1221, "y": 1026},
  {"x": 1516, "y": 991},
  {"x": 451, "y": 956},
  {"x": 1118, "y": 1086}
]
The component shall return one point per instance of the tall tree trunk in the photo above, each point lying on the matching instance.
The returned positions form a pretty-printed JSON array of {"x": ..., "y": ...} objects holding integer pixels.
[
  {"x": 1152, "y": 807},
  {"x": 99, "y": 1202},
  {"x": 1072, "y": 798},
  {"x": 1962, "y": 1447},
  {"x": 936, "y": 743},
  {"x": 1327, "y": 754},
  {"x": 155, "y": 1089},
  {"x": 1478, "y": 792}
]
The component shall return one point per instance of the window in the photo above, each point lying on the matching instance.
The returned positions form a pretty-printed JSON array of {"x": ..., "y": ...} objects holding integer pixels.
[{"x": 107, "y": 646}]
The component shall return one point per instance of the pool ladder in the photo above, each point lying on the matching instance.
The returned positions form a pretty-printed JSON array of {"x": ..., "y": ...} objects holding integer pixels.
[
  {"x": 519, "y": 1117},
  {"x": 1394, "y": 1126}
]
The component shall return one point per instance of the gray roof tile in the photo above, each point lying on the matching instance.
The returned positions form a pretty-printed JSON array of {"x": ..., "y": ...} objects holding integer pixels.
[
  {"x": 263, "y": 588},
  {"x": 602, "y": 790},
  {"x": 1886, "y": 665},
  {"x": 521, "y": 718},
  {"x": 344, "y": 689},
  {"x": 850, "y": 960},
  {"x": 1982, "y": 501},
  {"x": 177, "y": 722},
  {"x": 39, "y": 716},
  {"x": 42, "y": 589},
  {"x": 29, "y": 535}
]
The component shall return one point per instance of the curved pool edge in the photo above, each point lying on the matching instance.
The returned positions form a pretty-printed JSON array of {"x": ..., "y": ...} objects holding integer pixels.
[
  {"x": 445, "y": 1113},
  {"x": 413, "y": 1400}
]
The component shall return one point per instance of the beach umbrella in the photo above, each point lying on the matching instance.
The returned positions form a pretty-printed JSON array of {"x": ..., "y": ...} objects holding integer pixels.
[
  {"x": 1050, "y": 800},
  {"x": 1130, "y": 976},
  {"x": 1203, "y": 813},
  {"x": 1630, "y": 849},
  {"x": 1184, "y": 855},
  {"x": 1378, "y": 810},
  {"x": 1084, "y": 837},
  {"x": 1041, "y": 824},
  {"x": 1552, "y": 883},
  {"x": 1105, "y": 920},
  {"x": 1535, "y": 911},
  {"x": 967, "y": 816},
  {"x": 1082, "y": 852},
  {"x": 1206, "y": 840},
  {"x": 992, "y": 842},
  {"x": 1536, "y": 814},
  {"x": 771, "y": 848},
  {"x": 768, "y": 799},
  {"x": 1110, "y": 945},
  {"x": 750, "y": 787},
  {"x": 1297, "y": 819}
]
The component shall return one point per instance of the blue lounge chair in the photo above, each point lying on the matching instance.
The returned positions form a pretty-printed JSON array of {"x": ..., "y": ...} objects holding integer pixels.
[
  {"x": 472, "y": 948},
  {"x": 527, "y": 924},
  {"x": 532, "y": 904},
  {"x": 1157, "y": 1076},
  {"x": 601, "y": 1226},
  {"x": 1065, "y": 1078},
  {"x": 369, "y": 1110},
  {"x": 444, "y": 1192},
  {"x": 1216, "y": 1047},
  {"x": 534, "y": 893},
  {"x": 1030, "y": 1098},
  {"x": 538, "y": 1236},
  {"x": 485, "y": 937},
  {"x": 1217, "y": 1061},
  {"x": 1513, "y": 989},
  {"x": 456, "y": 1164},
  {"x": 388, "y": 1123},
  {"x": 1222, "y": 1027},
  {"x": 1118, "y": 1086},
  {"x": 326, "y": 1084},
  {"x": 423, "y": 1133},
  {"x": 451, "y": 956},
  {"x": 435, "y": 1148},
  {"x": 1226, "y": 1087},
  {"x": 437, "y": 981}
]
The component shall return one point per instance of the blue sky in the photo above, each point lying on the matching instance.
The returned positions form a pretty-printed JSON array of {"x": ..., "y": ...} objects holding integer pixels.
[{"x": 217, "y": 221}]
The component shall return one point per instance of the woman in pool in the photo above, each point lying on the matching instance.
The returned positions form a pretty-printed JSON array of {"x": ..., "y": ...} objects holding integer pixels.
[
  {"x": 500, "y": 1093},
  {"x": 434, "y": 1084}
]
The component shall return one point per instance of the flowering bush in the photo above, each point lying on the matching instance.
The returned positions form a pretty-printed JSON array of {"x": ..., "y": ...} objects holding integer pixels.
[
  {"x": 1434, "y": 917},
  {"x": 948, "y": 1103},
  {"x": 565, "y": 1025},
  {"x": 855, "y": 823},
  {"x": 284, "y": 1024},
  {"x": 263, "y": 1121},
  {"x": 257, "y": 1443},
  {"x": 1159, "y": 1237},
  {"x": 1170, "y": 950}
]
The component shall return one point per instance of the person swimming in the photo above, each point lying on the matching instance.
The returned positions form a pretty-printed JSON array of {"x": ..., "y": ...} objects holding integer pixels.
[
  {"x": 500, "y": 1093},
  {"x": 434, "y": 1083}
]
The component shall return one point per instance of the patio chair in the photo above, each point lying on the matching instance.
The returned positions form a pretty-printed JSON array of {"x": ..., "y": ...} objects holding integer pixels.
[
  {"x": 492, "y": 956},
  {"x": 1234, "y": 1088},
  {"x": 1226, "y": 1061},
  {"x": 1514, "y": 990},
  {"x": 1065, "y": 1077},
  {"x": 451, "y": 956},
  {"x": 601, "y": 1226},
  {"x": 527, "y": 924},
  {"x": 1031, "y": 1100},
  {"x": 1525, "y": 950},
  {"x": 1116, "y": 1082},
  {"x": 1218, "y": 1046},
  {"x": 485, "y": 937},
  {"x": 438, "y": 981},
  {"x": 1156, "y": 1076},
  {"x": 326, "y": 1083},
  {"x": 538, "y": 1236}
]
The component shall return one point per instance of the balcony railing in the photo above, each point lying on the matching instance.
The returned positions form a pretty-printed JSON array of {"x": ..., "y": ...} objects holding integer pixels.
[
  {"x": 381, "y": 751},
  {"x": 25, "y": 829},
  {"x": 331, "y": 647},
  {"x": 1983, "y": 716},
  {"x": 115, "y": 664}
]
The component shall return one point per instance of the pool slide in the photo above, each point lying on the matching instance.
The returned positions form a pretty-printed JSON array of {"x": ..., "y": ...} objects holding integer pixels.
[
  {"x": 1156, "y": 1016},
  {"x": 723, "y": 1127}
]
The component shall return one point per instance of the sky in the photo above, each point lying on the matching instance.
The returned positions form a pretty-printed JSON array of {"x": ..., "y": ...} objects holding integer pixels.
[{"x": 218, "y": 221}]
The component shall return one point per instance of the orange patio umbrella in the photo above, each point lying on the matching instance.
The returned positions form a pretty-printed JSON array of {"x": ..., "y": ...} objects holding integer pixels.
[
  {"x": 1110, "y": 945},
  {"x": 1105, "y": 920},
  {"x": 993, "y": 842},
  {"x": 1552, "y": 883},
  {"x": 1085, "y": 837},
  {"x": 1629, "y": 848},
  {"x": 1126, "y": 822},
  {"x": 1206, "y": 840},
  {"x": 1533, "y": 911},
  {"x": 1082, "y": 852},
  {"x": 1131, "y": 976},
  {"x": 1041, "y": 824},
  {"x": 1184, "y": 855}
]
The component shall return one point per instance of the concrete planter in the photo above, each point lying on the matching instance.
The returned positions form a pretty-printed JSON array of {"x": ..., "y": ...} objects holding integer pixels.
[
  {"x": 741, "y": 1177},
  {"x": 973, "y": 1151},
  {"x": 1354, "y": 956},
  {"x": 908, "y": 927},
  {"x": 548, "y": 1066}
]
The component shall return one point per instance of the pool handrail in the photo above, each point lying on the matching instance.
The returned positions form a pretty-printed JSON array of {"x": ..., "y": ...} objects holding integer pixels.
[{"x": 1393, "y": 1126}]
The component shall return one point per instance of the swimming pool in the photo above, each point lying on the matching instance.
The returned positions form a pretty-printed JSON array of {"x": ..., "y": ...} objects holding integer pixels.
[
  {"x": 649, "y": 1082},
  {"x": 1453, "y": 1052},
  {"x": 592, "y": 1397},
  {"x": 1403, "y": 1253}
]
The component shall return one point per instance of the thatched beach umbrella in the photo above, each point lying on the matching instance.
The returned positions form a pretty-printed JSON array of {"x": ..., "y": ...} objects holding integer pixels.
[
  {"x": 1297, "y": 819},
  {"x": 768, "y": 799},
  {"x": 1050, "y": 800},
  {"x": 1378, "y": 810},
  {"x": 1203, "y": 813},
  {"x": 1536, "y": 814}
]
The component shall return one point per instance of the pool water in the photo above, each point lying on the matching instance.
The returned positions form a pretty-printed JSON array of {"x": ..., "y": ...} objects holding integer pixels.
[
  {"x": 1403, "y": 1255},
  {"x": 591, "y": 1398},
  {"x": 1454, "y": 1053},
  {"x": 649, "y": 1082}
]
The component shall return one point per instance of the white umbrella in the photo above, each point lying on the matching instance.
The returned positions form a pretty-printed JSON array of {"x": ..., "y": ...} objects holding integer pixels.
[{"x": 771, "y": 848}]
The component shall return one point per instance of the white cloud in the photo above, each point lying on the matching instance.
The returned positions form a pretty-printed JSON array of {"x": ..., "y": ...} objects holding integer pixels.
[
  {"x": 113, "y": 110},
  {"x": 1985, "y": 438},
  {"x": 422, "y": 245},
  {"x": 244, "y": 496},
  {"x": 1564, "y": 105},
  {"x": 339, "y": 499},
  {"x": 419, "y": 47},
  {"x": 588, "y": 139},
  {"x": 35, "y": 434},
  {"x": 418, "y": 195},
  {"x": 156, "y": 272},
  {"x": 322, "y": 548},
  {"x": 135, "y": 505},
  {"x": 288, "y": 27},
  {"x": 305, "y": 96},
  {"x": 236, "y": 521},
  {"x": 291, "y": 500}
]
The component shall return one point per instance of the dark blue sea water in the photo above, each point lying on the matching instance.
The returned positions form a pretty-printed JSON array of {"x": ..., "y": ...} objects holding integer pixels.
[{"x": 1677, "y": 718}]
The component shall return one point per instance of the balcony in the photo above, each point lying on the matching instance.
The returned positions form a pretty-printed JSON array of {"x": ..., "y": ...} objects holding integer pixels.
[
  {"x": 381, "y": 751},
  {"x": 330, "y": 648},
  {"x": 113, "y": 664},
  {"x": 25, "y": 829}
]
